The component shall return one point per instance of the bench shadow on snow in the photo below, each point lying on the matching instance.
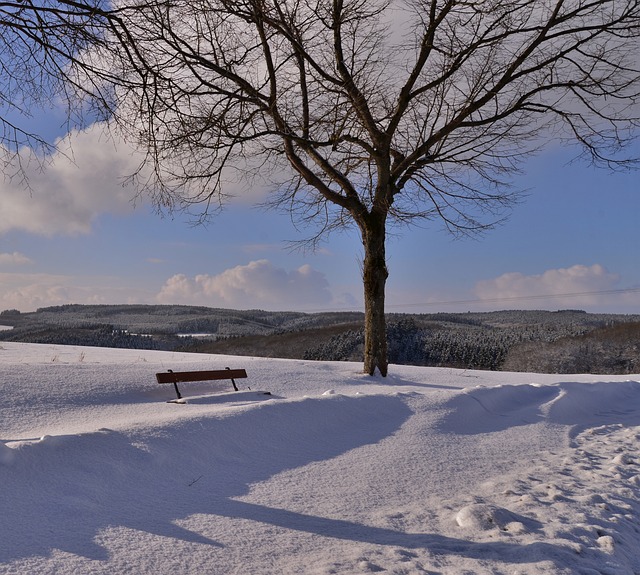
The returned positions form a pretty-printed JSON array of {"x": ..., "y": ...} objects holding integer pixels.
[
  {"x": 237, "y": 398},
  {"x": 576, "y": 405}
]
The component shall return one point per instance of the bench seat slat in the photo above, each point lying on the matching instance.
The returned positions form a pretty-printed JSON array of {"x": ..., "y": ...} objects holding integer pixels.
[{"x": 180, "y": 376}]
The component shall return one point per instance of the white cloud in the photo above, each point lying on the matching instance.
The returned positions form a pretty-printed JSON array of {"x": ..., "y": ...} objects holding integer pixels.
[
  {"x": 579, "y": 286},
  {"x": 68, "y": 190},
  {"x": 27, "y": 292},
  {"x": 16, "y": 258},
  {"x": 64, "y": 193},
  {"x": 258, "y": 284}
]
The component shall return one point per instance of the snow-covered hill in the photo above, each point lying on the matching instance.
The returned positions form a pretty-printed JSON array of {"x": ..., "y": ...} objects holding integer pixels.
[{"x": 426, "y": 471}]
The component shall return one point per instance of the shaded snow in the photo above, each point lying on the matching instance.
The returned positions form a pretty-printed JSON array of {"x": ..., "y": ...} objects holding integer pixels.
[{"x": 427, "y": 471}]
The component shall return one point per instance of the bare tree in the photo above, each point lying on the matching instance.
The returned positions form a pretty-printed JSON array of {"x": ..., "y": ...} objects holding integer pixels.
[
  {"x": 373, "y": 112},
  {"x": 40, "y": 68}
]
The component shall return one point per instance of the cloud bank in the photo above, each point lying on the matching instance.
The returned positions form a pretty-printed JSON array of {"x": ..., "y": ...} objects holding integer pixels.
[
  {"x": 65, "y": 192},
  {"x": 15, "y": 258},
  {"x": 259, "y": 284},
  {"x": 578, "y": 286},
  {"x": 28, "y": 292}
]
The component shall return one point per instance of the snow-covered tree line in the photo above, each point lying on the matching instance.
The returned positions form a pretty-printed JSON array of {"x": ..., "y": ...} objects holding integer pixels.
[
  {"x": 553, "y": 343},
  {"x": 568, "y": 341}
]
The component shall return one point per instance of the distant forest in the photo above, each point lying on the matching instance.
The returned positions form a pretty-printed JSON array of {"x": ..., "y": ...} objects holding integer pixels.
[{"x": 566, "y": 341}]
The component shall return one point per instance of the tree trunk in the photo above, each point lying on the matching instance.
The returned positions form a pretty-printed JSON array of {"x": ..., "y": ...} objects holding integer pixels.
[{"x": 374, "y": 279}]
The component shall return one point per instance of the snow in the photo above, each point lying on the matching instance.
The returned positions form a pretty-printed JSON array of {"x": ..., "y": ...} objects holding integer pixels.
[{"x": 437, "y": 471}]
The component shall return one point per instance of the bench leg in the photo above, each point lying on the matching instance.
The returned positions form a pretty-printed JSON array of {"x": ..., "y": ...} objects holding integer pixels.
[
  {"x": 233, "y": 381},
  {"x": 175, "y": 385}
]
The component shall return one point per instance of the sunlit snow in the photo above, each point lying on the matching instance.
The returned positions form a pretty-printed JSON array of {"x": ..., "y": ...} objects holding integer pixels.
[{"x": 438, "y": 471}]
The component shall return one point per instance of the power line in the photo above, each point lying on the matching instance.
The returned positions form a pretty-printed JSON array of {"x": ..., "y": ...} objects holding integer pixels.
[
  {"x": 492, "y": 300},
  {"x": 519, "y": 298}
]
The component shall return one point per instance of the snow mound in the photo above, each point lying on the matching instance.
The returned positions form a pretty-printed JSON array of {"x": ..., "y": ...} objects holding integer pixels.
[
  {"x": 483, "y": 517},
  {"x": 502, "y": 407}
]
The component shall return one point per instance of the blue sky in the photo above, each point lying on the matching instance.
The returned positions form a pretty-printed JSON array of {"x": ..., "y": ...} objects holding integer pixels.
[{"x": 76, "y": 237}]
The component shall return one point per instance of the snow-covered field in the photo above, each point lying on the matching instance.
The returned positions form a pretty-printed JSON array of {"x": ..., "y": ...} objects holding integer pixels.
[{"x": 427, "y": 471}]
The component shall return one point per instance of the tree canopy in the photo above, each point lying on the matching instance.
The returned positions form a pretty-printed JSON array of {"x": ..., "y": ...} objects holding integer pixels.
[{"x": 43, "y": 65}]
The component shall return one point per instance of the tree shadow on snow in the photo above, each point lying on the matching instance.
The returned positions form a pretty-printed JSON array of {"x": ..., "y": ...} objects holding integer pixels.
[
  {"x": 59, "y": 492},
  {"x": 502, "y": 551}
]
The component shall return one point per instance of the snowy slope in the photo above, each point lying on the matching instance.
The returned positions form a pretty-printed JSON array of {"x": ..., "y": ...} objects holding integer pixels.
[{"x": 426, "y": 471}]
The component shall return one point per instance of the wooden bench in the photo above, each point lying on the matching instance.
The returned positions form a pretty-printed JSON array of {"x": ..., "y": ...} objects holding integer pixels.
[{"x": 176, "y": 377}]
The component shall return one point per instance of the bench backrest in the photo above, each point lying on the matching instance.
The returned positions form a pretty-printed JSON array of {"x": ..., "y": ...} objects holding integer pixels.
[{"x": 207, "y": 375}]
